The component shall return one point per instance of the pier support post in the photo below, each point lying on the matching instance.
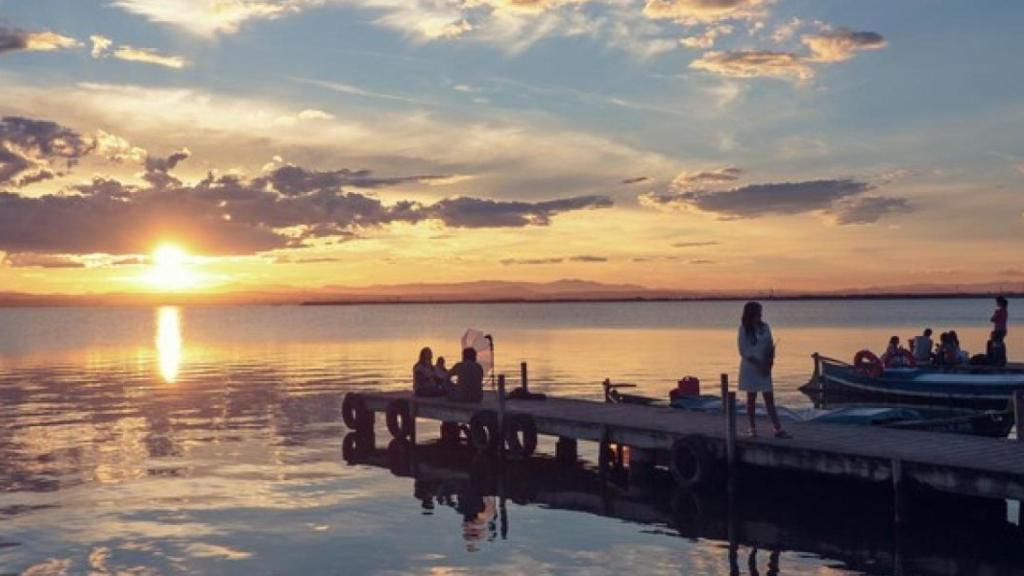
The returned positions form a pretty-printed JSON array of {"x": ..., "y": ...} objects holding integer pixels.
[
  {"x": 524, "y": 377},
  {"x": 501, "y": 413},
  {"x": 641, "y": 465},
  {"x": 725, "y": 391},
  {"x": 730, "y": 432},
  {"x": 566, "y": 450},
  {"x": 1018, "y": 413},
  {"x": 898, "y": 496}
]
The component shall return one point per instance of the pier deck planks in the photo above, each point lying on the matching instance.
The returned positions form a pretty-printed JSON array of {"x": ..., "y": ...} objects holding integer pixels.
[{"x": 949, "y": 462}]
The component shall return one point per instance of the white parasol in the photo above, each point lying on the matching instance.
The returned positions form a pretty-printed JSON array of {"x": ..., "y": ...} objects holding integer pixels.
[{"x": 483, "y": 345}]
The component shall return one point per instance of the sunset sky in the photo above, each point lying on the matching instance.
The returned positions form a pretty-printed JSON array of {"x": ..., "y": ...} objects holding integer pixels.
[{"x": 220, "y": 145}]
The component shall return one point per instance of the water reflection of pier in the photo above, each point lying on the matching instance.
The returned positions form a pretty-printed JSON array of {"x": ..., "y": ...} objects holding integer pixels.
[{"x": 836, "y": 520}]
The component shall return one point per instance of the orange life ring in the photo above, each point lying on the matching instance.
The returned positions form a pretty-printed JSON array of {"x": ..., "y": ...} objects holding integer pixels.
[{"x": 868, "y": 364}]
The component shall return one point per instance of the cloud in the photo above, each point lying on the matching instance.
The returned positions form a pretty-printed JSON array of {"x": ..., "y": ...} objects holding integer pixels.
[
  {"x": 868, "y": 209},
  {"x": 466, "y": 212},
  {"x": 707, "y": 177},
  {"x": 35, "y": 150},
  {"x": 754, "y": 63},
  {"x": 311, "y": 114},
  {"x": 702, "y": 261},
  {"x": 103, "y": 47},
  {"x": 211, "y": 17},
  {"x": 30, "y": 260},
  {"x": 117, "y": 149},
  {"x": 694, "y": 12},
  {"x": 707, "y": 38},
  {"x": 16, "y": 40},
  {"x": 826, "y": 47},
  {"x": 635, "y": 180},
  {"x": 758, "y": 200},
  {"x": 1020, "y": 167},
  {"x": 530, "y": 261},
  {"x": 224, "y": 213},
  {"x": 1012, "y": 272},
  {"x": 840, "y": 45},
  {"x": 588, "y": 259},
  {"x": 285, "y": 259}
]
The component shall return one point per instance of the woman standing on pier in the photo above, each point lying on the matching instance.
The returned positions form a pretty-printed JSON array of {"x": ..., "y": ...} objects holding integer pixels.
[{"x": 757, "y": 356}]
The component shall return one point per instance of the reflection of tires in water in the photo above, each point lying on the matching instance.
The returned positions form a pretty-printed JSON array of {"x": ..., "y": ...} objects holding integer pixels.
[
  {"x": 483, "y": 431},
  {"x": 399, "y": 419},
  {"x": 355, "y": 446},
  {"x": 400, "y": 458},
  {"x": 355, "y": 414},
  {"x": 520, "y": 435},
  {"x": 691, "y": 462},
  {"x": 688, "y": 511},
  {"x": 452, "y": 433}
]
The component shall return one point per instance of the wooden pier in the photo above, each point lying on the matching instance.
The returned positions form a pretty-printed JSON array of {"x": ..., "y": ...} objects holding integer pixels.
[{"x": 700, "y": 447}]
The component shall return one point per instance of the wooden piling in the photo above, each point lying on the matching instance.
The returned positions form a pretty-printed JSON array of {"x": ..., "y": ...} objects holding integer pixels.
[
  {"x": 566, "y": 450},
  {"x": 730, "y": 432},
  {"x": 898, "y": 498},
  {"x": 1018, "y": 413},
  {"x": 524, "y": 377},
  {"x": 725, "y": 391},
  {"x": 501, "y": 412}
]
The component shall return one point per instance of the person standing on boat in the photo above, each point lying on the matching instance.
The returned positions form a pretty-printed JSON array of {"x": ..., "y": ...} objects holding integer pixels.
[
  {"x": 757, "y": 357},
  {"x": 1000, "y": 318},
  {"x": 922, "y": 348}
]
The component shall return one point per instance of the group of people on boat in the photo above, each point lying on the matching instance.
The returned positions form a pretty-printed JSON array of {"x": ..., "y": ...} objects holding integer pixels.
[
  {"x": 463, "y": 382},
  {"x": 947, "y": 351}
]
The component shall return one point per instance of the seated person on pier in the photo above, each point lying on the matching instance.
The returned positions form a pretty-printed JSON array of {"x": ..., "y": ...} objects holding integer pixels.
[
  {"x": 921, "y": 346},
  {"x": 441, "y": 375},
  {"x": 995, "y": 351},
  {"x": 423, "y": 381},
  {"x": 893, "y": 357},
  {"x": 469, "y": 379}
]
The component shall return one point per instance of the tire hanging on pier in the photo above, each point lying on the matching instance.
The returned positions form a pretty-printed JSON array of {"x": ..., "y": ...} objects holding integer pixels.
[
  {"x": 483, "y": 431},
  {"x": 355, "y": 446},
  {"x": 516, "y": 424},
  {"x": 355, "y": 414},
  {"x": 399, "y": 419},
  {"x": 691, "y": 463}
]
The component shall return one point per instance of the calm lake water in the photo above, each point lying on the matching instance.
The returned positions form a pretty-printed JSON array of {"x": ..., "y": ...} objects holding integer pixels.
[{"x": 208, "y": 440}]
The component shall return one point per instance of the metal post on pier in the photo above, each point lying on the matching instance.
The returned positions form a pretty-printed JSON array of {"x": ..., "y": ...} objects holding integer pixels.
[
  {"x": 501, "y": 412},
  {"x": 524, "y": 377},
  {"x": 730, "y": 433},
  {"x": 1018, "y": 413},
  {"x": 725, "y": 390}
]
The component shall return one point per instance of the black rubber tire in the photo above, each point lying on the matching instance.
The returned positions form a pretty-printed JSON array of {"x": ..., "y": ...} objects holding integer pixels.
[
  {"x": 691, "y": 463},
  {"x": 483, "y": 431},
  {"x": 514, "y": 424},
  {"x": 355, "y": 446},
  {"x": 354, "y": 413},
  {"x": 399, "y": 419},
  {"x": 400, "y": 458}
]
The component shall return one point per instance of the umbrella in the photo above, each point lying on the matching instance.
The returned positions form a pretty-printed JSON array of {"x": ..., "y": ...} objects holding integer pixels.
[{"x": 483, "y": 345}]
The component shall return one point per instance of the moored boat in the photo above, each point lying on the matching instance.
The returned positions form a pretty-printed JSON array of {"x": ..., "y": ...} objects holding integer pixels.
[{"x": 978, "y": 387}]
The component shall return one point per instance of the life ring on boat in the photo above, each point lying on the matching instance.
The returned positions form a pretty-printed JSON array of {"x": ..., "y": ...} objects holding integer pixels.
[
  {"x": 868, "y": 364},
  {"x": 399, "y": 419},
  {"x": 691, "y": 462},
  {"x": 523, "y": 424},
  {"x": 483, "y": 431},
  {"x": 905, "y": 360},
  {"x": 355, "y": 414}
]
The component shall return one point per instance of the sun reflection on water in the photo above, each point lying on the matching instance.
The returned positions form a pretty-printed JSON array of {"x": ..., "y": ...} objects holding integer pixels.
[{"x": 168, "y": 342}]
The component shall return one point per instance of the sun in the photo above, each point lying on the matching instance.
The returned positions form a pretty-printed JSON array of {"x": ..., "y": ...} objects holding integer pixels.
[{"x": 171, "y": 268}]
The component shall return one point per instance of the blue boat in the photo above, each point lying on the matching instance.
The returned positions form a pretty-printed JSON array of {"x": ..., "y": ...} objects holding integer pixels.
[{"x": 978, "y": 387}]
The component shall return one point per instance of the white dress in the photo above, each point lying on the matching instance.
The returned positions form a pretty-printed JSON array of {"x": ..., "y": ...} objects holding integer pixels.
[{"x": 751, "y": 378}]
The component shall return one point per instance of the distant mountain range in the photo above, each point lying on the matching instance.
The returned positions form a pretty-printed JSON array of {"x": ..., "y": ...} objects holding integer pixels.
[{"x": 491, "y": 291}]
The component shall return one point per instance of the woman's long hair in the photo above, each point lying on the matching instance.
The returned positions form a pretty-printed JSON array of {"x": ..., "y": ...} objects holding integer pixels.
[
  {"x": 750, "y": 322},
  {"x": 426, "y": 355}
]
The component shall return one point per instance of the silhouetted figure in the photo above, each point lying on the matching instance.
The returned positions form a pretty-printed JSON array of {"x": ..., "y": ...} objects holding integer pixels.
[
  {"x": 995, "y": 350},
  {"x": 757, "y": 357},
  {"x": 921, "y": 346},
  {"x": 423, "y": 381},
  {"x": 1000, "y": 317},
  {"x": 469, "y": 379},
  {"x": 441, "y": 376}
]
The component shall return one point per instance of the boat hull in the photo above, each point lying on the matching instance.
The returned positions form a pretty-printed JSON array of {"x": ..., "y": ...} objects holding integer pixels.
[{"x": 983, "y": 389}]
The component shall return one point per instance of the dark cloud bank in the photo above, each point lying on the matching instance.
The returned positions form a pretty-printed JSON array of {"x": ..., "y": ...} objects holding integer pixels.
[
  {"x": 844, "y": 199},
  {"x": 221, "y": 214}
]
